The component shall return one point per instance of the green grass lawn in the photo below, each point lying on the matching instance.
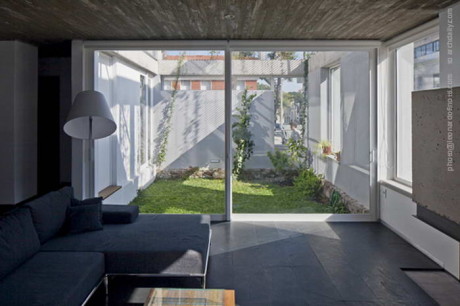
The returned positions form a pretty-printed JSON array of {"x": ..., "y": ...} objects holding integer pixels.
[{"x": 206, "y": 196}]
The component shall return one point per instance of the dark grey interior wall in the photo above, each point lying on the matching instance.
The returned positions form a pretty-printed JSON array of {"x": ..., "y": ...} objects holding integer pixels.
[
  {"x": 54, "y": 64},
  {"x": 48, "y": 177}
]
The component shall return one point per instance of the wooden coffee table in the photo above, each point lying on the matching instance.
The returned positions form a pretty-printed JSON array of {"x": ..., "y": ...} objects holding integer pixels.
[{"x": 190, "y": 297}]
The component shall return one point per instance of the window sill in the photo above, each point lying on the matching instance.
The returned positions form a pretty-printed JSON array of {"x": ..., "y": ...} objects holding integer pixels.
[
  {"x": 397, "y": 187},
  {"x": 331, "y": 157},
  {"x": 108, "y": 191}
]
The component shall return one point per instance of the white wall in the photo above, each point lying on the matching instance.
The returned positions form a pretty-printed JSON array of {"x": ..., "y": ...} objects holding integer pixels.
[
  {"x": 116, "y": 160},
  {"x": 104, "y": 157},
  {"x": 351, "y": 174},
  {"x": 197, "y": 129},
  {"x": 397, "y": 210},
  {"x": 18, "y": 121}
]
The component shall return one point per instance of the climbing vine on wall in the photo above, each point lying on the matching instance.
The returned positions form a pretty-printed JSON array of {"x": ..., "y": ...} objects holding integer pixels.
[
  {"x": 242, "y": 136},
  {"x": 305, "y": 108},
  {"x": 168, "y": 114}
]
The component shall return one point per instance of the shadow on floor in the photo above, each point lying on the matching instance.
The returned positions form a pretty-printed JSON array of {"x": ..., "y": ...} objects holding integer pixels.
[{"x": 302, "y": 263}]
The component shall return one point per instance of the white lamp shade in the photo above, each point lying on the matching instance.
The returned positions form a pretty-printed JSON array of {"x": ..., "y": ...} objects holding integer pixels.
[{"x": 89, "y": 105}]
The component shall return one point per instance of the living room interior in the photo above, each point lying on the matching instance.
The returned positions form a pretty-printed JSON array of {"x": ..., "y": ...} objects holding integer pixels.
[{"x": 230, "y": 152}]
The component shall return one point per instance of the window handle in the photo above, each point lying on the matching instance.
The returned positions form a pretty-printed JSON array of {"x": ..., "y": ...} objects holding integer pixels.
[{"x": 372, "y": 156}]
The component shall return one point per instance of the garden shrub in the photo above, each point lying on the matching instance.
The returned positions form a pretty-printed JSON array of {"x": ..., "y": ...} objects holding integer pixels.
[
  {"x": 280, "y": 161},
  {"x": 338, "y": 206},
  {"x": 283, "y": 164},
  {"x": 300, "y": 156},
  {"x": 290, "y": 162},
  {"x": 309, "y": 183},
  {"x": 242, "y": 136}
]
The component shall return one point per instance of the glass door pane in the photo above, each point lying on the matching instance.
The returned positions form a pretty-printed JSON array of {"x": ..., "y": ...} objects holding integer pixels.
[
  {"x": 169, "y": 110},
  {"x": 300, "y": 132}
]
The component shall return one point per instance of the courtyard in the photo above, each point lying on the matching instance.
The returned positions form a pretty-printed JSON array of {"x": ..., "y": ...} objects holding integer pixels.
[{"x": 206, "y": 196}]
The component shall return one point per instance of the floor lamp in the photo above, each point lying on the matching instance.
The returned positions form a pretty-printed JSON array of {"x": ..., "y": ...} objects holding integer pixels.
[{"x": 89, "y": 119}]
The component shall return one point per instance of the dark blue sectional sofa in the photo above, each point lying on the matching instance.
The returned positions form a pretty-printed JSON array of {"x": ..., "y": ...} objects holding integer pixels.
[{"x": 39, "y": 265}]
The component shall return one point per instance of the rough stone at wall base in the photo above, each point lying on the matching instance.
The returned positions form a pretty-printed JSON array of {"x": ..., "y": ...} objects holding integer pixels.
[{"x": 353, "y": 205}]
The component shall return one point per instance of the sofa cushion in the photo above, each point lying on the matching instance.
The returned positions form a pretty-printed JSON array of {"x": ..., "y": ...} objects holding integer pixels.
[
  {"x": 75, "y": 202},
  {"x": 53, "y": 278},
  {"x": 18, "y": 240},
  {"x": 119, "y": 214},
  {"x": 156, "y": 244},
  {"x": 49, "y": 212},
  {"x": 85, "y": 218}
]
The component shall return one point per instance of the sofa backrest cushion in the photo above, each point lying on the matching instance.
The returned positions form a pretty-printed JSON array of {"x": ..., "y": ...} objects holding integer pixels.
[
  {"x": 18, "y": 240},
  {"x": 119, "y": 214},
  {"x": 49, "y": 212}
]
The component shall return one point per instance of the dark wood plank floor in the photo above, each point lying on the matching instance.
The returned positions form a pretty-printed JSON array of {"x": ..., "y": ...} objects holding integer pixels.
[{"x": 306, "y": 263}]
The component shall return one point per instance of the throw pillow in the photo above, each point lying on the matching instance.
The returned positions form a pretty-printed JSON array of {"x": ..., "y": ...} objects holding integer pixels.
[
  {"x": 90, "y": 201},
  {"x": 85, "y": 218},
  {"x": 75, "y": 202}
]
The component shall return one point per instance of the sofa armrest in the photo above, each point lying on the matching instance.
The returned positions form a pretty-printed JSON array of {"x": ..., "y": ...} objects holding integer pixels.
[{"x": 119, "y": 214}]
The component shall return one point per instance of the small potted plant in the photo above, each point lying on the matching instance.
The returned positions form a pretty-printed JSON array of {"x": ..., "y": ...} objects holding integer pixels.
[
  {"x": 326, "y": 147},
  {"x": 337, "y": 155}
]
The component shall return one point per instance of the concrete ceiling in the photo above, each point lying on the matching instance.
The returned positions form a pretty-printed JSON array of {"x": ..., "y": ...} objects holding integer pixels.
[{"x": 57, "y": 20}]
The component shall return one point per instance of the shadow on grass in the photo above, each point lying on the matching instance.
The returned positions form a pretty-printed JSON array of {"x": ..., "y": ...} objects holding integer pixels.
[{"x": 207, "y": 196}]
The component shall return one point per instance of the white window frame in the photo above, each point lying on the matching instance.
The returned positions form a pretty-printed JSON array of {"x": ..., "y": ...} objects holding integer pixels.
[
  {"x": 388, "y": 133},
  {"x": 240, "y": 85},
  {"x": 331, "y": 109},
  {"x": 167, "y": 85},
  {"x": 397, "y": 110},
  {"x": 203, "y": 87},
  {"x": 112, "y": 138},
  {"x": 182, "y": 85},
  {"x": 148, "y": 126},
  {"x": 150, "y": 114},
  {"x": 143, "y": 126}
]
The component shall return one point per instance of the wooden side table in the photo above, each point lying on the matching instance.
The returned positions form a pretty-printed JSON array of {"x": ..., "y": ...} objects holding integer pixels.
[{"x": 190, "y": 297}]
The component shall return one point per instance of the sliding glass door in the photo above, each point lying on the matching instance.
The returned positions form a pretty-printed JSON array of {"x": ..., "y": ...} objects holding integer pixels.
[
  {"x": 169, "y": 109},
  {"x": 277, "y": 133},
  {"x": 301, "y": 132}
]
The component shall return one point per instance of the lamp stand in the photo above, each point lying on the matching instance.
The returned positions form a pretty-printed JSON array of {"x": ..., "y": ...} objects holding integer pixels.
[{"x": 91, "y": 178}]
